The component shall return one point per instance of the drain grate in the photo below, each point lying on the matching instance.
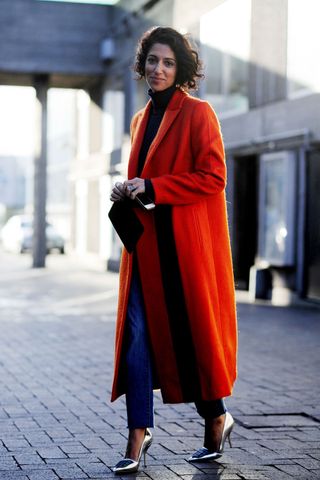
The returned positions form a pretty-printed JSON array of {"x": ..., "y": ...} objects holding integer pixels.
[{"x": 279, "y": 420}]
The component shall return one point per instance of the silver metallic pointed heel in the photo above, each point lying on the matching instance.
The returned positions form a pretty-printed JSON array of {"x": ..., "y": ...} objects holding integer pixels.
[
  {"x": 127, "y": 465},
  {"x": 144, "y": 457},
  {"x": 204, "y": 454}
]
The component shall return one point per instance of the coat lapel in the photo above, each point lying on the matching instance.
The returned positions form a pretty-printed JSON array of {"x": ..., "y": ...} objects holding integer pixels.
[
  {"x": 137, "y": 141},
  {"x": 170, "y": 114}
]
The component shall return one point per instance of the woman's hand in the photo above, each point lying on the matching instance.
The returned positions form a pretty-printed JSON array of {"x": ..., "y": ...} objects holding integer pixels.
[
  {"x": 133, "y": 187},
  {"x": 118, "y": 192}
]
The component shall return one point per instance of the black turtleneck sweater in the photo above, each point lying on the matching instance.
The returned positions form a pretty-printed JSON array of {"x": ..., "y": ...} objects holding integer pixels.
[{"x": 160, "y": 102}]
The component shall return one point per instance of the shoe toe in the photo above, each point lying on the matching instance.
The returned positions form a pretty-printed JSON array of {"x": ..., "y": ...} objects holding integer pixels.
[
  {"x": 203, "y": 455},
  {"x": 123, "y": 465},
  {"x": 199, "y": 454}
]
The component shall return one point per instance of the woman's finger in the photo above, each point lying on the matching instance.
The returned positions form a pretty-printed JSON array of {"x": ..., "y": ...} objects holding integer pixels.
[
  {"x": 138, "y": 190},
  {"x": 119, "y": 189},
  {"x": 117, "y": 193},
  {"x": 134, "y": 186},
  {"x": 116, "y": 198}
]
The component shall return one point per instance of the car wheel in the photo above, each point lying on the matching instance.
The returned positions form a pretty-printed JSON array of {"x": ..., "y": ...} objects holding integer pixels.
[{"x": 62, "y": 250}]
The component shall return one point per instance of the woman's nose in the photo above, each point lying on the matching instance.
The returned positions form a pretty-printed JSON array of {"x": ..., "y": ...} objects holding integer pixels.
[{"x": 158, "y": 67}]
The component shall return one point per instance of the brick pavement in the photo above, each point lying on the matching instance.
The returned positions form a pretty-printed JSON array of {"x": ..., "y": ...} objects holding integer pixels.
[{"x": 56, "y": 355}]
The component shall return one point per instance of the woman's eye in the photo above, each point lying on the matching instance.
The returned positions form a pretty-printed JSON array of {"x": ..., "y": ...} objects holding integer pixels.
[
  {"x": 169, "y": 64},
  {"x": 151, "y": 60}
]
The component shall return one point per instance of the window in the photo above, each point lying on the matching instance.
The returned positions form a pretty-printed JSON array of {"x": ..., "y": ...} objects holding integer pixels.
[
  {"x": 225, "y": 40},
  {"x": 277, "y": 208},
  {"x": 303, "y": 70}
]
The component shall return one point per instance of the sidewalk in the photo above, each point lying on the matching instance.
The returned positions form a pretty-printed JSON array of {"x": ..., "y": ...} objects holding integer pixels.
[{"x": 56, "y": 359}]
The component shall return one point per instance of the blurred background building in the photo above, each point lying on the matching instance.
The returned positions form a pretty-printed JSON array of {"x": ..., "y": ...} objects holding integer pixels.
[{"x": 262, "y": 78}]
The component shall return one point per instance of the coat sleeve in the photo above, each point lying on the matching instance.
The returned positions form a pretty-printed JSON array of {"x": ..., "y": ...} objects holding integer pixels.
[{"x": 209, "y": 175}]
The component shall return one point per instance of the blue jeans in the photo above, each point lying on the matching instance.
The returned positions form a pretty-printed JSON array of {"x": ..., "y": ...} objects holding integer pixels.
[
  {"x": 139, "y": 366},
  {"x": 139, "y": 381}
]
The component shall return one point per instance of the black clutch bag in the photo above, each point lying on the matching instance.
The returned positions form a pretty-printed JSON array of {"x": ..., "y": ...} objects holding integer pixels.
[{"x": 126, "y": 224}]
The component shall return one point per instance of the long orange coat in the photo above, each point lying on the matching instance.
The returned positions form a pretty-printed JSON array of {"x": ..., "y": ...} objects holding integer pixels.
[{"x": 193, "y": 347}]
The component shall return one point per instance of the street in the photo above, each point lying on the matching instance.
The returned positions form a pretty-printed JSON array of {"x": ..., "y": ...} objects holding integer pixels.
[{"x": 56, "y": 359}]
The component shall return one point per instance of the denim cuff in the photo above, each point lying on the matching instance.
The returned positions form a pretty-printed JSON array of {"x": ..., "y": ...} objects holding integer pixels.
[{"x": 210, "y": 409}]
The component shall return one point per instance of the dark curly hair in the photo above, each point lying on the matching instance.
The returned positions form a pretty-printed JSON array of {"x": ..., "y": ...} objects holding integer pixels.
[{"x": 187, "y": 58}]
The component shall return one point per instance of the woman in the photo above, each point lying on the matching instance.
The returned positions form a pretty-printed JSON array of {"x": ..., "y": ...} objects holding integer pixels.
[{"x": 176, "y": 325}]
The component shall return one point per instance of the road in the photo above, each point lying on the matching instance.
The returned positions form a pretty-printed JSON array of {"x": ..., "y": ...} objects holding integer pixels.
[{"x": 56, "y": 358}]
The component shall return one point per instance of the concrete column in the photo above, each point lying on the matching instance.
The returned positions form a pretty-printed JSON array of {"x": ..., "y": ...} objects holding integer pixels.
[
  {"x": 40, "y": 173},
  {"x": 81, "y": 216},
  {"x": 105, "y": 232},
  {"x": 268, "y": 57}
]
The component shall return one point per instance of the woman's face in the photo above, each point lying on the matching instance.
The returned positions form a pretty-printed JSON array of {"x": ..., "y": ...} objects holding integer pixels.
[{"x": 161, "y": 67}]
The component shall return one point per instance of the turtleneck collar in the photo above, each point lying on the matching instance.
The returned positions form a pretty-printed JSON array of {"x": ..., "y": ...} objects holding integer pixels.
[{"x": 161, "y": 99}]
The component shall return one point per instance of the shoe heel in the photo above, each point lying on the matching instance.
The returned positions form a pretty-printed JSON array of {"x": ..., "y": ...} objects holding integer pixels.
[
  {"x": 145, "y": 454},
  {"x": 229, "y": 440}
]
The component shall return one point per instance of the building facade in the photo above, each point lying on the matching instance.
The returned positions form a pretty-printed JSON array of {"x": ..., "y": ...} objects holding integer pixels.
[{"x": 262, "y": 80}]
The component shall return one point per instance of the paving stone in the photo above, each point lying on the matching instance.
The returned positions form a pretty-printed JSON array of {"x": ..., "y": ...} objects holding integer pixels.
[
  {"x": 227, "y": 476},
  {"x": 213, "y": 476},
  {"x": 28, "y": 459},
  {"x": 294, "y": 470},
  {"x": 139, "y": 475},
  {"x": 275, "y": 421},
  {"x": 40, "y": 440},
  {"x": 309, "y": 463},
  {"x": 72, "y": 448},
  {"x": 161, "y": 473},
  {"x": 254, "y": 475},
  {"x": 95, "y": 469},
  {"x": 13, "y": 476},
  {"x": 9, "y": 467},
  {"x": 69, "y": 472},
  {"x": 184, "y": 469},
  {"x": 174, "y": 446},
  {"x": 316, "y": 473},
  {"x": 41, "y": 475},
  {"x": 84, "y": 457},
  {"x": 51, "y": 453},
  {"x": 276, "y": 461},
  {"x": 315, "y": 455},
  {"x": 15, "y": 444},
  {"x": 56, "y": 381}
]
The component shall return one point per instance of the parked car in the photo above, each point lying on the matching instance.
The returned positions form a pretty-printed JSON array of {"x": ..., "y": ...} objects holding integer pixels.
[{"x": 17, "y": 233}]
